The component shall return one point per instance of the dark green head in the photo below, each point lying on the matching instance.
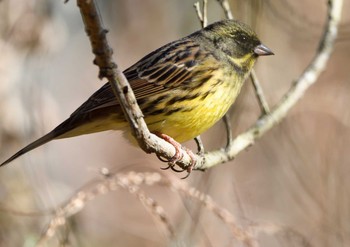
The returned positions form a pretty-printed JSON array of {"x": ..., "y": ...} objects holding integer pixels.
[{"x": 235, "y": 39}]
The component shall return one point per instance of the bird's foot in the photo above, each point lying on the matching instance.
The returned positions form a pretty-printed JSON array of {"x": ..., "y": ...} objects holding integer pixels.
[{"x": 179, "y": 153}]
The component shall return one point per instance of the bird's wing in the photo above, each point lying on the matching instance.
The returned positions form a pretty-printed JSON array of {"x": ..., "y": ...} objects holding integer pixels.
[{"x": 160, "y": 71}]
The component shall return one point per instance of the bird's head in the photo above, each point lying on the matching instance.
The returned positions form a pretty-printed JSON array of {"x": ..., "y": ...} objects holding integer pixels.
[{"x": 235, "y": 41}]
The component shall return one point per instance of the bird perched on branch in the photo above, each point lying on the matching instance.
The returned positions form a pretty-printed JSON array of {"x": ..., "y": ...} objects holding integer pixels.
[{"x": 183, "y": 88}]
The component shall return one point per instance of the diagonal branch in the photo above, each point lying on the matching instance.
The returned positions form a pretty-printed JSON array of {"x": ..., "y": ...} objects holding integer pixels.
[
  {"x": 264, "y": 107},
  {"x": 149, "y": 142}
]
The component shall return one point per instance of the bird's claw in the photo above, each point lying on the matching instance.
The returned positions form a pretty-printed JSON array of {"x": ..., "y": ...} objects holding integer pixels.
[{"x": 179, "y": 154}]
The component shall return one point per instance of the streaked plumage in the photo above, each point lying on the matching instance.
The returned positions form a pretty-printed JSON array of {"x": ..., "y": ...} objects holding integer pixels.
[{"x": 183, "y": 88}]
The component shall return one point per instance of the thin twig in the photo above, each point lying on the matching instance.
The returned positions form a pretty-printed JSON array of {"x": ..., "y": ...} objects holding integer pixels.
[
  {"x": 200, "y": 145},
  {"x": 202, "y": 14},
  {"x": 197, "y": 7},
  {"x": 205, "y": 13},
  {"x": 264, "y": 107},
  {"x": 307, "y": 78},
  {"x": 228, "y": 128},
  {"x": 226, "y": 7}
]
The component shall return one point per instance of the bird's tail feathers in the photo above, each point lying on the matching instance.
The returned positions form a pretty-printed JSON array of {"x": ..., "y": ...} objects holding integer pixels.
[
  {"x": 41, "y": 141},
  {"x": 71, "y": 127},
  {"x": 57, "y": 133}
]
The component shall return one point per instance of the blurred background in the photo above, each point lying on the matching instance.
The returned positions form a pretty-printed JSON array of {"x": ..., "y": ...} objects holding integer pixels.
[{"x": 294, "y": 177}]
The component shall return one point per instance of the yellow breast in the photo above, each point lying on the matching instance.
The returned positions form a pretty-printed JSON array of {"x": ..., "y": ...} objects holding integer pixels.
[{"x": 198, "y": 114}]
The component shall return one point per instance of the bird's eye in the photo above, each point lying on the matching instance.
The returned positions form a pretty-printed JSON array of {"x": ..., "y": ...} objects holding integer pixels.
[{"x": 241, "y": 38}]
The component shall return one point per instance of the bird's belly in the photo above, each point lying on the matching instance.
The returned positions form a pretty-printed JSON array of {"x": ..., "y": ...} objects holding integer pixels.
[{"x": 200, "y": 116}]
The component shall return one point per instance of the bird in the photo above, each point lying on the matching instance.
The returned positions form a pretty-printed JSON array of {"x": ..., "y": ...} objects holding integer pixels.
[{"x": 183, "y": 88}]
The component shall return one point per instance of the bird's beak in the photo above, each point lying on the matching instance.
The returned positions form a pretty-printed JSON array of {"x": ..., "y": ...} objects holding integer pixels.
[{"x": 262, "y": 50}]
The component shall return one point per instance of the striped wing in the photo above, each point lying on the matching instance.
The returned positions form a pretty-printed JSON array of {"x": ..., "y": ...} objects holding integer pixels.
[{"x": 160, "y": 71}]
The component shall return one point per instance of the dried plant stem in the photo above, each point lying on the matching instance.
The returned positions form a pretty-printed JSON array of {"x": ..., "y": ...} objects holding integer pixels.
[
  {"x": 130, "y": 182},
  {"x": 240, "y": 234}
]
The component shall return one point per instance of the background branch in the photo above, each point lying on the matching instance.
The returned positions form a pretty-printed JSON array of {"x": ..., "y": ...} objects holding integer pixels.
[{"x": 132, "y": 183}]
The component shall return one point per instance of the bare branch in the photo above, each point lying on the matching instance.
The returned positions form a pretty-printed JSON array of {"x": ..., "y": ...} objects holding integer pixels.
[
  {"x": 205, "y": 14},
  {"x": 264, "y": 107},
  {"x": 197, "y": 7},
  {"x": 228, "y": 128},
  {"x": 202, "y": 14},
  {"x": 226, "y": 7}
]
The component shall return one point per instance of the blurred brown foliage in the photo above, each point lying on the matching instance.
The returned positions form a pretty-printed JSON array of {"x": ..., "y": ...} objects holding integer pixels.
[{"x": 294, "y": 177}]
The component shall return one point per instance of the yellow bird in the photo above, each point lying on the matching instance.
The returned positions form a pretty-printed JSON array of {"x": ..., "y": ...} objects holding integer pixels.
[{"x": 183, "y": 88}]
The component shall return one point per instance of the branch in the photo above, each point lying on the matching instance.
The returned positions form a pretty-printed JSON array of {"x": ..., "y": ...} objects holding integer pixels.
[
  {"x": 226, "y": 7},
  {"x": 264, "y": 107},
  {"x": 149, "y": 142},
  {"x": 307, "y": 78},
  {"x": 202, "y": 14}
]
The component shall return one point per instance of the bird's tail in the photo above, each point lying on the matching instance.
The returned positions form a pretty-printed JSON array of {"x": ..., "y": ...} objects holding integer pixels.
[
  {"x": 75, "y": 125},
  {"x": 41, "y": 141},
  {"x": 59, "y": 132}
]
